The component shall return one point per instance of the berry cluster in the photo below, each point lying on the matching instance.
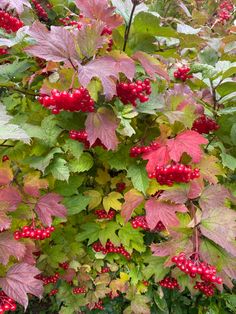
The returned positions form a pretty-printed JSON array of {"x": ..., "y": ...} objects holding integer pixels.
[
  {"x": 79, "y": 290},
  {"x": 141, "y": 222},
  {"x": 169, "y": 282},
  {"x": 82, "y": 137},
  {"x": 183, "y": 73},
  {"x": 174, "y": 173},
  {"x": 98, "y": 305},
  {"x": 110, "y": 44},
  {"x": 106, "y": 31},
  {"x": 78, "y": 100},
  {"x": 9, "y": 22},
  {"x": 224, "y": 14},
  {"x": 110, "y": 248},
  {"x": 68, "y": 22},
  {"x": 194, "y": 267},
  {"x": 3, "y": 51},
  {"x": 112, "y": 296},
  {"x": 33, "y": 233},
  {"x": 48, "y": 279},
  {"x": 64, "y": 265},
  {"x": 53, "y": 292},
  {"x": 131, "y": 91},
  {"x": 120, "y": 187},
  {"x": 135, "y": 151},
  {"x": 41, "y": 13},
  {"x": 102, "y": 214},
  {"x": 6, "y": 303},
  {"x": 205, "y": 125},
  {"x": 5, "y": 158},
  {"x": 105, "y": 269},
  {"x": 206, "y": 288}
]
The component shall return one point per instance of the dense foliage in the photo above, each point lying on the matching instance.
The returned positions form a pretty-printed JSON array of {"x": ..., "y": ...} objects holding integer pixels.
[{"x": 118, "y": 156}]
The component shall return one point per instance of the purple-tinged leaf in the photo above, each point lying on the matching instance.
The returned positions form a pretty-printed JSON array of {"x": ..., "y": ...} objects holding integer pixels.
[
  {"x": 10, "y": 198},
  {"x": 133, "y": 199},
  {"x": 17, "y": 5},
  {"x": 5, "y": 221},
  {"x": 10, "y": 247}
]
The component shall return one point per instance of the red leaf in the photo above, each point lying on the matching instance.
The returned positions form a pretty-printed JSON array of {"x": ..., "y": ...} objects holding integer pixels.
[
  {"x": 157, "y": 210},
  {"x": 5, "y": 222},
  {"x": 133, "y": 199},
  {"x": 69, "y": 275},
  {"x": 102, "y": 125},
  {"x": 99, "y": 10},
  {"x": 106, "y": 69},
  {"x": 186, "y": 142},
  {"x": 18, "y": 5},
  {"x": 48, "y": 206},
  {"x": 33, "y": 183},
  {"x": 10, "y": 247},
  {"x": 19, "y": 281},
  {"x": 29, "y": 257},
  {"x": 159, "y": 157},
  {"x": 10, "y": 198},
  {"x": 56, "y": 45},
  {"x": 151, "y": 65}
]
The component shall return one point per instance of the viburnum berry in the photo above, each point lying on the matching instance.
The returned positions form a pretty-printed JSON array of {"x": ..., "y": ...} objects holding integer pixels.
[
  {"x": 194, "y": 267},
  {"x": 106, "y": 31},
  {"x": 9, "y": 22},
  {"x": 227, "y": 5},
  {"x": 110, "y": 248},
  {"x": 105, "y": 269},
  {"x": 135, "y": 151},
  {"x": 82, "y": 137},
  {"x": 168, "y": 175},
  {"x": 41, "y": 13},
  {"x": 146, "y": 283},
  {"x": 33, "y": 233},
  {"x": 224, "y": 15},
  {"x": 102, "y": 214},
  {"x": 206, "y": 288},
  {"x": 67, "y": 21},
  {"x": 141, "y": 222},
  {"x": 6, "y": 303},
  {"x": 169, "y": 282},
  {"x": 64, "y": 265},
  {"x": 112, "y": 295},
  {"x": 130, "y": 92},
  {"x": 183, "y": 73},
  {"x": 205, "y": 125},
  {"x": 120, "y": 187},
  {"x": 48, "y": 279},
  {"x": 79, "y": 290},
  {"x": 5, "y": 158},
  {"x": 3, "y": 51},
  {"x": 53, "y": 292},
  {"x": 78, "y": 100},
  {"x": 97, "y": 306}
]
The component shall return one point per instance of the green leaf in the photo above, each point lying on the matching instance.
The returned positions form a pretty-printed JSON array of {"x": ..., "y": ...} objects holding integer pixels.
[
  {"x": 155, "y": 103},
  {"x": 230, "y": 110},
  {"x": 90, "y": 232},
  {"x": 76, "y": 204},
  {"x": 228, "y": 161},
  {"x": 226, "y": 88},
  {"x": 50, "y": 130},
  {"x": 84, "y": 163},
  {"x": 71, "y": 187},
  {"x": 74, "y": 147},
  {"x": 59, "y": 169},
  {"x": 233, "y": 134},
  {"x": 139, "y": 177},
  {"x": 155, "y": 267},
  {"x": 131, "y": 238},
  {"x": 13, "y": 71},
  {"x": 208, "y": 56},
  {"x": 108, "y": 232}
]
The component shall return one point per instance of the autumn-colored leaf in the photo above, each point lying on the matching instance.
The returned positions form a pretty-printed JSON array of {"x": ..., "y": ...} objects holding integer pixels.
[
  {"x": 120, "y": 284},
  {"x": 6, "y": 174},
  {"x": 106, "y": 69},
  {"x": 102, "y": 125},
  {"x": 159, "y": 157},
  {"x": 165, "y": 212},
  {"x": 5, "y": 221},
  {"x": 69, "y": 275},
  {"x": 151, "y": 65},
  {"x": 18, "y": 5},
  {"x": 210, "y": 168},
  {"x": 30, "y": 248},
  {"x": 112, "y": 201},
  {"x": 48, "y": 206},
  {"x": 55, "y": 45},
  {"x": 133, "y": 199},
  {"x": 186, "y": 142},
  {"x": 10, "y": 247},
  {"x": 99, "y": 10},
  {"x": 19, "y": 281},
  {"x": 33, "y": 184},
  {"x": 10, "y": 198}
]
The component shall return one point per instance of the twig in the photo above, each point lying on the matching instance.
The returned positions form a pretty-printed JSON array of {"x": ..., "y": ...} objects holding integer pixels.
[
  {"x": 127, "y": 29},
  {"x": 73, "y": 66}
]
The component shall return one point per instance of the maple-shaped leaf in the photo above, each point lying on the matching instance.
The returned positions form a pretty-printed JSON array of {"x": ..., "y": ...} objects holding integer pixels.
[
  {"x": 106, "y": 69},
  {"x": 89, "y": 39},
  {"x": 33, "y": 184},
  {"x": 210, "y": 168},
  {"x": 165, "y": 212},
  {"x": 151, "y": 65},
  {"x": 19, "y": 281},
  {"x": 133, "y": 199},
  {"x": 6, "y": 174},
  {"x": 140, "y": 304},
  {"x": 17, "y": 5},
  {"x": 100, "y": 10},
  {"x": 10, "y": 247},
  {"x": 158, "y": 157},
  {"x": 102, "y": 125},
  {"x": 5, "y": 221},
  {"x": 214, "y": 196},
  {"x": 186, "y": 142},
  {"x": 55, "y": 45},
  {"x": 219, "y": 225},
  {"x": 48, "y": 206},
  {"x": 120, "y": 284},
  {"x": 10, "y": 198}
]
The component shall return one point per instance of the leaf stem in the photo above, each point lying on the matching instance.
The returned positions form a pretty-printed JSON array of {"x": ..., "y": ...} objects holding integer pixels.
[
  {"x": 127, "y": 29},
  {"x": 196, "y": 233}
]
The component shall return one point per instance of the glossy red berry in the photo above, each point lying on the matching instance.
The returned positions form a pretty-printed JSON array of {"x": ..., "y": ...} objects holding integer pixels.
[
  {"x": 120, "y": 187},
  {"x": 6, "y": 303},
  {"x": 33, "y": 233},
  {"x": 183, "y": 73},
  {"x": 102, "y": 214},
  {"x": 130, "y": 92},
  {"x": 5, "y": 158},
  {"x": 135, "y": 151},
  {"x": 9, "y": 22},
  {"x": 206, "y": 288},
  {"x": 64, "y": 265},
  {"x": 205, "y": 125},
  {"x": 41, "y": 13},
  {"x": 79, "y": 290},
  {"x": 68, "y": 21},
  {"x": 48, "y": 279},
  {"x": 141, "y": 222},
  {"x": 169, "y": 283},
  {"x": 3, "y": 51},
  {"x": 110, "y": 248},
  {"x": 53, "y": 292},
  {"x": 82, "y": 137}
]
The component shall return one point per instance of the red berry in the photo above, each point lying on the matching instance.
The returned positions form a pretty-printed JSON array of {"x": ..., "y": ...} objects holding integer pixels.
[
  {"x": 9, "y": 22},
  {"x": 183, "y": 73},
  {"x": 5, "y": 158},
  {"x": 102, "y": 214},
  {"x": 169, "y": 282},
  {"x": 205, "y": 125}
]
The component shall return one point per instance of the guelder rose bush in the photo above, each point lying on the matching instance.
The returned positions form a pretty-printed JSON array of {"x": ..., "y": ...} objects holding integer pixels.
[{"x": 118, "y": 155}]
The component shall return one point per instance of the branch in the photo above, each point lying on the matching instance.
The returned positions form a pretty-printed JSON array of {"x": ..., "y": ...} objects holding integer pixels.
[
  {"x": 127, "y": 29},
  {"x": 196, "y": 232}
]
